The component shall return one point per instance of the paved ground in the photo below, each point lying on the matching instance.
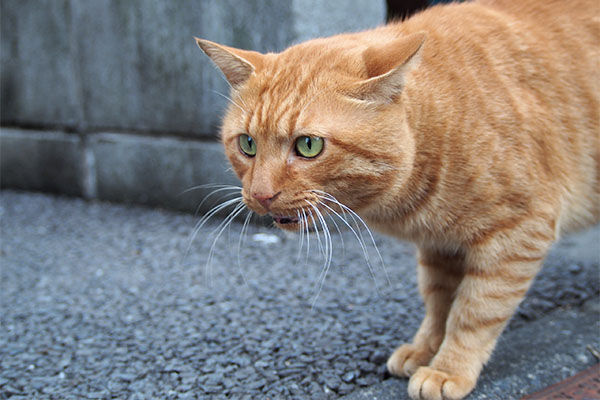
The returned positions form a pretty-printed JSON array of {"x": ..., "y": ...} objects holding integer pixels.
[{"x": 98, "y": 301}]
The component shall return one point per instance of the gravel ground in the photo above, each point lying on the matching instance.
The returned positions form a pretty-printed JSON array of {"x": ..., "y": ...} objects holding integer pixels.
[
  {"x": 534, "y": 356},
  {"x": 101, "y": 301}
]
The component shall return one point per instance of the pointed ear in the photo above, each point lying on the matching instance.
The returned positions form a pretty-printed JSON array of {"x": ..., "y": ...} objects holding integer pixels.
[
  {"x": 237, "y": 65},
  {"x": 387, "y": 66}
]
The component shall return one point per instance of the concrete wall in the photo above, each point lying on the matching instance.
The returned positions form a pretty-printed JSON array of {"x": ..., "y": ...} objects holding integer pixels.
[
  {"x": 82, "y": 68},
  {"x": 133, "y": 64}
]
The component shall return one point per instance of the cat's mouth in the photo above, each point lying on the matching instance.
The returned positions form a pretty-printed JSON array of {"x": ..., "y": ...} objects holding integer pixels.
[{"x": 285, "y": 219}]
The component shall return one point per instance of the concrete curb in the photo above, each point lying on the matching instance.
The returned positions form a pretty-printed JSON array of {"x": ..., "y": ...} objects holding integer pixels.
[
  {"x": 527, "y": 359},
  {"x": 154, "y": 171}
]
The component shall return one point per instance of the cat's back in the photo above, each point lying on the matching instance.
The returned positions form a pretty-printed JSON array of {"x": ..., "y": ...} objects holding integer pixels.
[
  {"x": 521, "y": 77},
  {"x": 568, "y": 27},
  {"x": 572, "y": 25}
]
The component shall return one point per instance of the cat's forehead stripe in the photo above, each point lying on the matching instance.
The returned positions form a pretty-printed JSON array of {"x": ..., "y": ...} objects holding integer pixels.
[
  {"x": 281, "y": 98},
  {"x": 248, "y": 118},
  {"x": 260, "y": 107}
]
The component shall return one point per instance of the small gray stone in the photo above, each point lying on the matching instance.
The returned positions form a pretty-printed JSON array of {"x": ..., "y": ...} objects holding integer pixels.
[
  {"x": 350, "y": 376},
  {"x": 257, "y": 384},
  {"x": 379, "y": 356},
  {"x": 97, "y": 395}
]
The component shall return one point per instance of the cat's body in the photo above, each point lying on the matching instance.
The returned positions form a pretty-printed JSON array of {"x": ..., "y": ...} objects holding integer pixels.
[
  {"x": 505, "y": 109},
  {"x": 471, "y": 129}
]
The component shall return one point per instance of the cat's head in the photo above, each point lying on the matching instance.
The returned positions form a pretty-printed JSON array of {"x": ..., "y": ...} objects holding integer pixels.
[{"x": 318, "y": 123}]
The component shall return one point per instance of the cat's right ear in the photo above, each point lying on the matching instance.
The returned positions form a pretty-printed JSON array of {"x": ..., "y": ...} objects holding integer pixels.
[
  {"x": 387, "y": 66},
  {"x": 237, "y": 65}
]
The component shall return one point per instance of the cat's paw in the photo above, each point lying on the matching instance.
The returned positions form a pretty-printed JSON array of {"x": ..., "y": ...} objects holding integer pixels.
[
  {"x": 407, "y": 358},
  {"x": 430, "y": 384}
]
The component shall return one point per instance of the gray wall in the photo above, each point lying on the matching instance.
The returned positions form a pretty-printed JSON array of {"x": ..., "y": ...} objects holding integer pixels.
[{"x": 99, "y": 72}]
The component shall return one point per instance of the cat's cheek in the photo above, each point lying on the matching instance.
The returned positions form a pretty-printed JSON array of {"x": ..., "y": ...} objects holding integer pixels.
[
  {"x": 299, "y": 169},
  {"x": 239, "y": 165}
]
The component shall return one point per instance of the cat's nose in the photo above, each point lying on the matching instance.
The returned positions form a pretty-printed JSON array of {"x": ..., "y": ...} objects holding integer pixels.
[{"x": 265, "y": 199}]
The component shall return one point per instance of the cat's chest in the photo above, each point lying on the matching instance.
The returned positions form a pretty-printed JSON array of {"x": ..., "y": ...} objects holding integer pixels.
[
  {"x": 424, "y": 229},
  {"x": 405, "y": 229}
]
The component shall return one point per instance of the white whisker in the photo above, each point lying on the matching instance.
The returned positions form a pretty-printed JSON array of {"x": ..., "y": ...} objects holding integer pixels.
[
  {"x": 216, "y": 209},
  {"x": 339, "y": 233},
  {"x": 218, "y": 187},
  {"x": 221, "y": 228},
  {"x": 354, "y": 214},
  {"x": 328, "y": 251},
  {"x": 220, "y": 199},
  {"x": 355, "y": 217},
  {"x": 304, "y": 216},
  {"x": 209, "y": 186},
  {"x": 243, "y": 232},
  {"x": 301, "y": 221},
  {"x": 316, "y": 228},
  {"x": 361, "y": 242},
  {"x": 230, "y": 100}
]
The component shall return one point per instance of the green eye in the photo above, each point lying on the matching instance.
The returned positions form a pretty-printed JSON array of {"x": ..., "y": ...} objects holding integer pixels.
[
  {"x": 309, "y": 146},
  {"x": 247, "y": 145}
]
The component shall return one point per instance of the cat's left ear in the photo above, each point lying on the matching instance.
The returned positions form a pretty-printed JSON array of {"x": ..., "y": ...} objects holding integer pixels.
[
  {"x": 237, "y": 65},
  {"x": 387, "y": 66}
]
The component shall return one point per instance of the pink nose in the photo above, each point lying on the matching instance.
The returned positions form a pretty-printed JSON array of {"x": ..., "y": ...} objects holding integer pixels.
[{"x": 265, "y": 199}]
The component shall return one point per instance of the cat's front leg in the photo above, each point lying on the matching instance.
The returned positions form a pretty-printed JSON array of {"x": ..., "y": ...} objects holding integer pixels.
[
  {"x": 439, "y": 274},
  {"x": 490, "y": 291}
]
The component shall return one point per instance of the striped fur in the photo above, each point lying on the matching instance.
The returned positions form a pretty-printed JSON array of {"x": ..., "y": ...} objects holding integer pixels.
[{"x": 471, "y": 129}]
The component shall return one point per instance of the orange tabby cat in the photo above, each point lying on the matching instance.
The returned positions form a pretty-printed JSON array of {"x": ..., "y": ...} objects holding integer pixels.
[{"x": 471, "y": 129}]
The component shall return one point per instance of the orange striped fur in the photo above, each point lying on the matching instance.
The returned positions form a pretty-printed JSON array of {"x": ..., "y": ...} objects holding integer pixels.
[{"x": 471, "y": 129}]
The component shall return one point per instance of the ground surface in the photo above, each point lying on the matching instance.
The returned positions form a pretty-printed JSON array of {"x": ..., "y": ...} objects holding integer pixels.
[{"x": 98, "y": 301}]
